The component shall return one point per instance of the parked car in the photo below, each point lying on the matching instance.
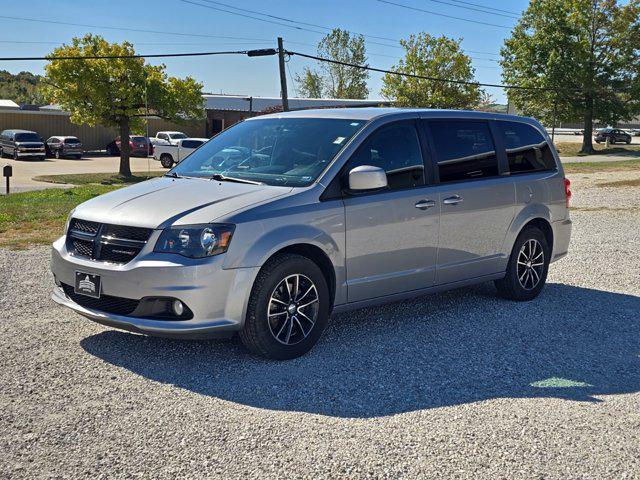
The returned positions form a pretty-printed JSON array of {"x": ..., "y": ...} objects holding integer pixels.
[
  {"x": 171, "y": 154},
  {"x": 341, "y": 209},
  {"x": 139, "y": 145},
  {"x": 64, "y": 146},
  {"x": 21, "y": 144},
  {"x": 634, "y": 132},
  {"x": 168, "y": 138},
  {"x": 613, "y": 134}
]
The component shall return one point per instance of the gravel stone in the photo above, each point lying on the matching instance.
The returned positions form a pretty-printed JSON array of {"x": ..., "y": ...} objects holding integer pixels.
[{"x": 455, "y": 385}]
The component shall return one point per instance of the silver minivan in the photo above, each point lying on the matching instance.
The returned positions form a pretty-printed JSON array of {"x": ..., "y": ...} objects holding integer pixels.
[{"x": 282, "y": 219}]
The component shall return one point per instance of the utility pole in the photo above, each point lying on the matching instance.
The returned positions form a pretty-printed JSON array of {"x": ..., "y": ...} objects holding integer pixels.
[{"x": 283, "y": 77}]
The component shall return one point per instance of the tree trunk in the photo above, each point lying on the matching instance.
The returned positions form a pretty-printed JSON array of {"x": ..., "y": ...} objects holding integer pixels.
[
  {"x": 125, "y": 149},
  {"x": 587, "y": 137}
]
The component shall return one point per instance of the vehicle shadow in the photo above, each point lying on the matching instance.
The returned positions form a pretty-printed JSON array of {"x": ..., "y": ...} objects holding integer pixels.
[{"x": 440, "y": 350}]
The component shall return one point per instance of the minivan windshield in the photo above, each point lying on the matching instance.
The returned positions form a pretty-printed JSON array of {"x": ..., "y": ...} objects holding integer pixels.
[
  {"x": 273, "y": 151},
  {"x": 27, "y": 137}
]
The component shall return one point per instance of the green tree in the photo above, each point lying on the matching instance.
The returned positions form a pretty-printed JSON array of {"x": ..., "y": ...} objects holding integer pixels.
[
  {"x": 22, "y": 87},
  {"x": 310, "y": 83},
  {"x": 436, "y": 57},
  {"x": 587, "y": 52},
  {"x": 337, "y": 81},
  {"x": 118, "y": 92}
]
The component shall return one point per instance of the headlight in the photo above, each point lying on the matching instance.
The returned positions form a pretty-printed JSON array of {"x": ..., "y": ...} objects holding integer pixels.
[{"x": 195, "y": 241}]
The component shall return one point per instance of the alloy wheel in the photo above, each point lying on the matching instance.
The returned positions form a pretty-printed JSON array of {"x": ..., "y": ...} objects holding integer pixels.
[
  {"x": 530, "y": 264},
  {"x": 293, "y": 308}
]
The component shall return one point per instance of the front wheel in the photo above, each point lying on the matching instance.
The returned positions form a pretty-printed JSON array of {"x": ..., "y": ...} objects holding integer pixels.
[
  {"x": 57, "y": 154},
  {"x": 288, "y": 309},
  {"x": 527, "y": 268}
]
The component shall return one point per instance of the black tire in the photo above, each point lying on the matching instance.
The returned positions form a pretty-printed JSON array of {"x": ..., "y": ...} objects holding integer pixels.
[
  {"x": 57, "y": 155},
  {"x": 258, "y": 335},
  {"x": 166, "y": 160},
  {"x": 628, "y": 141},
  {"x": 15, "y": 154},
  {"x": 78, "y": 157},
  {"x": 511, "y": 287}
]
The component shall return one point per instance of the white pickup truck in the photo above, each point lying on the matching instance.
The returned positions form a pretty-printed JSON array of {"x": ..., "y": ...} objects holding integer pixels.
[
  {"x": 171, "y": 154},
  {"x": 167, "y": 138}
]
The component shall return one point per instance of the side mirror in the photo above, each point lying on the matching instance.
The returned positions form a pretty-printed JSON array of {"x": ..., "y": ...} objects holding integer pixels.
[{"x": 367, "y": 177}]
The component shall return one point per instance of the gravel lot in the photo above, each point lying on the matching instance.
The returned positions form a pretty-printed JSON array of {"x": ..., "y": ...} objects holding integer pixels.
[{"x": 460, "y": 384}]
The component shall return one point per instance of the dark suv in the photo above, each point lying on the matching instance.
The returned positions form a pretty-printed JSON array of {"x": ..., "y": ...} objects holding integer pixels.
[
  {"x": 614, "y": 135},
  {"x": 60, "y": 147},
  {"x": 20, "y": 144}
]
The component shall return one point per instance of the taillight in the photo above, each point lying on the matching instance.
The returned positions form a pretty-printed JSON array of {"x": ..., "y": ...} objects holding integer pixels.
[{"x": 567, "y": 190}]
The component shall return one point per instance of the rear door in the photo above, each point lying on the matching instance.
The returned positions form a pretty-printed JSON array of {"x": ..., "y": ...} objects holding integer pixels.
[
  {"x": 476, "y": 198},
  {"x": 391, "y": 235}
]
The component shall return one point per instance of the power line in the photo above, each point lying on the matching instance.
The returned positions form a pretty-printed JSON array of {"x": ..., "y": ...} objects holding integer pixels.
[
  {"x": 416, "y": 9},
  {"x": 424, "y": 77},
  {"x": 487, "y": 7},
  {"x": 156, "y": 55},
  {"x": 128, "y": 29},
  {"x": 289, "y": 20},
  {"x": 476, "y": 9}
]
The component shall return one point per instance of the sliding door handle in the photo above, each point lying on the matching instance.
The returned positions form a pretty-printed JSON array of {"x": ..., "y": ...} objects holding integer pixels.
[{"x": 454, "y": 200}]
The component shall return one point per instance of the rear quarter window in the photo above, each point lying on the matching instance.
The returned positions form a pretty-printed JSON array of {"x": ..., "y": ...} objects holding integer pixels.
[
  {"x": 191, "y": 143},
  {"x": 526, "y": 148}
]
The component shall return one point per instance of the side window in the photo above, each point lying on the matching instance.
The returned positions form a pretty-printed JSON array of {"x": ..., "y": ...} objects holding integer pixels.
[
  {"x": 527, "y": 150},
  {"x": 395, "y": 149},
  {"x": 464, "y": 150}
]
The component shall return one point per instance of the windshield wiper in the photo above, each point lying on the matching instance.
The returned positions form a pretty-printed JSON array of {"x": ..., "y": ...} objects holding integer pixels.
[
  {"x": 172, "y": 175},
  {"x": 223, "y": 178}
]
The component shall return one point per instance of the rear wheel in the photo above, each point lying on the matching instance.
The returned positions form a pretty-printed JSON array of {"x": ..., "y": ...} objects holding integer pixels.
[
  {"x": 288, "y": 309},
  {"x": 628, "y": 141},
  {"x": 166, "y": 160},
  {"x": 527, "y": 268},
  {"x": 15, "y": 154}
]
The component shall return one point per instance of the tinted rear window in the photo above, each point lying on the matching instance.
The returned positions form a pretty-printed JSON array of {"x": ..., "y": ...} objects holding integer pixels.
[
  {"x": 527, "y": 150},
  {"x": 27, "y": 137},
  {"x": 192, "y": 143},
  {"x": 464, "y": 150},
  {"x": 138, "y": 139},
  {"x": 71, "y": 140}
]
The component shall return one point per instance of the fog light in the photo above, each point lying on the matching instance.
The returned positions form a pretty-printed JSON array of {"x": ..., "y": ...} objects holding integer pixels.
[{"x": 178, "y": 307}]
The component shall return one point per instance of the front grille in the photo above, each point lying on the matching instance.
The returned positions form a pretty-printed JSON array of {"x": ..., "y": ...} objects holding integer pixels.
[
  {"x": 105, "y": 242},
  {"x": 84, "y": 226},
  {"x": 106, "y": 303}
]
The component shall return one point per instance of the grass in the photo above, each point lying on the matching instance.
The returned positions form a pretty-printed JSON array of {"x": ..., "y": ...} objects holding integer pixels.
[
  {"x": 572, "y": 149},
  {"x": 622, "y": 183},
  {"x": 97, "y": 178},
  {"x": 592, "y": 167},
  {"x": 38, "y": 217}
]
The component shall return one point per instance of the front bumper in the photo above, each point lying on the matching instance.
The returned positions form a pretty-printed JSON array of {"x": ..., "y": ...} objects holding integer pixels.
[
  {"x": 33, "y": 153},
  {"x": 217, "y": 297}
]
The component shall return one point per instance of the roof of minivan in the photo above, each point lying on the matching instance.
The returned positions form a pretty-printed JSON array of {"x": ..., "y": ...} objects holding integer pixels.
[
  {"x": 376, "y": 112},
  {"x": 14, "y": 130}
]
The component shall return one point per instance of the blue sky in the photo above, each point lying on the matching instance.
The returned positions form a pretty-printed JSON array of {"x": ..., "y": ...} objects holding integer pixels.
[{"x": 255, "y": 76}]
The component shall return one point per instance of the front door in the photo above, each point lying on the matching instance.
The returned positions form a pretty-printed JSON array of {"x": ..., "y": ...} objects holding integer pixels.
[
  {"x": 391, "y": 236},
  {"x": 477, "y": 203}
]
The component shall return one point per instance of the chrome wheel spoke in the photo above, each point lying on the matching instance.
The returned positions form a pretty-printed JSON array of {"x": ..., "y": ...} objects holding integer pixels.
[
  {"x": 530, "y": 264},
  {"x": 285, "y": 316}
]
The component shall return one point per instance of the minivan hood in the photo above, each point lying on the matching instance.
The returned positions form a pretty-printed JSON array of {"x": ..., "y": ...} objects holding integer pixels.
[{"x": 166, "y": 201}]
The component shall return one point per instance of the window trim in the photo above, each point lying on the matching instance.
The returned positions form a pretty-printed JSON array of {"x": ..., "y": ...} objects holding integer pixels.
[
  {"x": 501, "y": 156},
  {"x": 330, "y": 193}
]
